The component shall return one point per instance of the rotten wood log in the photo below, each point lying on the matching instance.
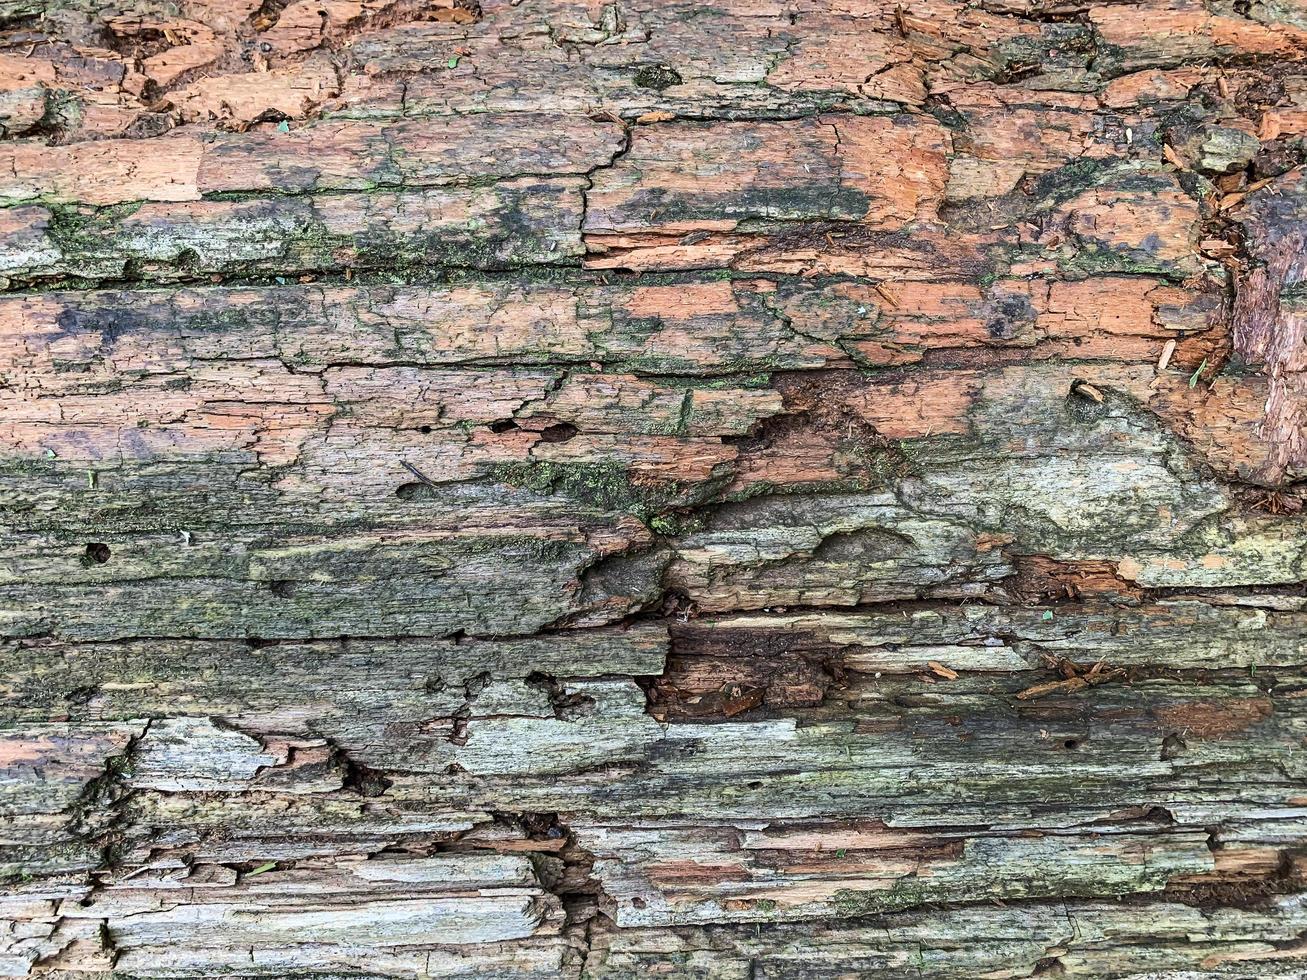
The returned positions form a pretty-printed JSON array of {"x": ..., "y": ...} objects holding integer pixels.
[{"x": 536, "y": 488}]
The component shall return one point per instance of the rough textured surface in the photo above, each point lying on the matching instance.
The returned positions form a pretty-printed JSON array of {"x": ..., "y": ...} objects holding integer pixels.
[{"x": 770, "y": 489}]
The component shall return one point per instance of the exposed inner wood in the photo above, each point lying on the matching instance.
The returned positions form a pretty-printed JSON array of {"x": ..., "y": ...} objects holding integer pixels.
[{"x": 761, "y": 489}]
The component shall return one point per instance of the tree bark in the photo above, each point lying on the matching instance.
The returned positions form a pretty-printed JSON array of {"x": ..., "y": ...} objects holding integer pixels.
[{"x": 769, "y": 489}]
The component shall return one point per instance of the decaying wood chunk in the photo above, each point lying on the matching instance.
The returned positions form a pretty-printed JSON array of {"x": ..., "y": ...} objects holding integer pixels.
[{"x": 542, "y": 488}]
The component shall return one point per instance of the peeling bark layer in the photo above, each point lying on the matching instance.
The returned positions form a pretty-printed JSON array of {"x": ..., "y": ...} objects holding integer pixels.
[{"x": 604, "y": 490}]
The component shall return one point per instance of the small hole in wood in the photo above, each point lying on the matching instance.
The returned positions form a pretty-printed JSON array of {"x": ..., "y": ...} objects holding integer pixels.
[
  {"x": 415, "y": 491},
  {"x": 558, "y": 432},
  {"x": 97, "y": 553}
]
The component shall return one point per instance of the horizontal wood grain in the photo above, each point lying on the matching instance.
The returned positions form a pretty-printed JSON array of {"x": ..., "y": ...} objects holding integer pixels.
[{"x": 623, "y": 489}]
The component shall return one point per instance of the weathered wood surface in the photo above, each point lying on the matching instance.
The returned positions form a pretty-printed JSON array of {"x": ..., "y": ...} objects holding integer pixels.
[{"x": 761, "y": 489}]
